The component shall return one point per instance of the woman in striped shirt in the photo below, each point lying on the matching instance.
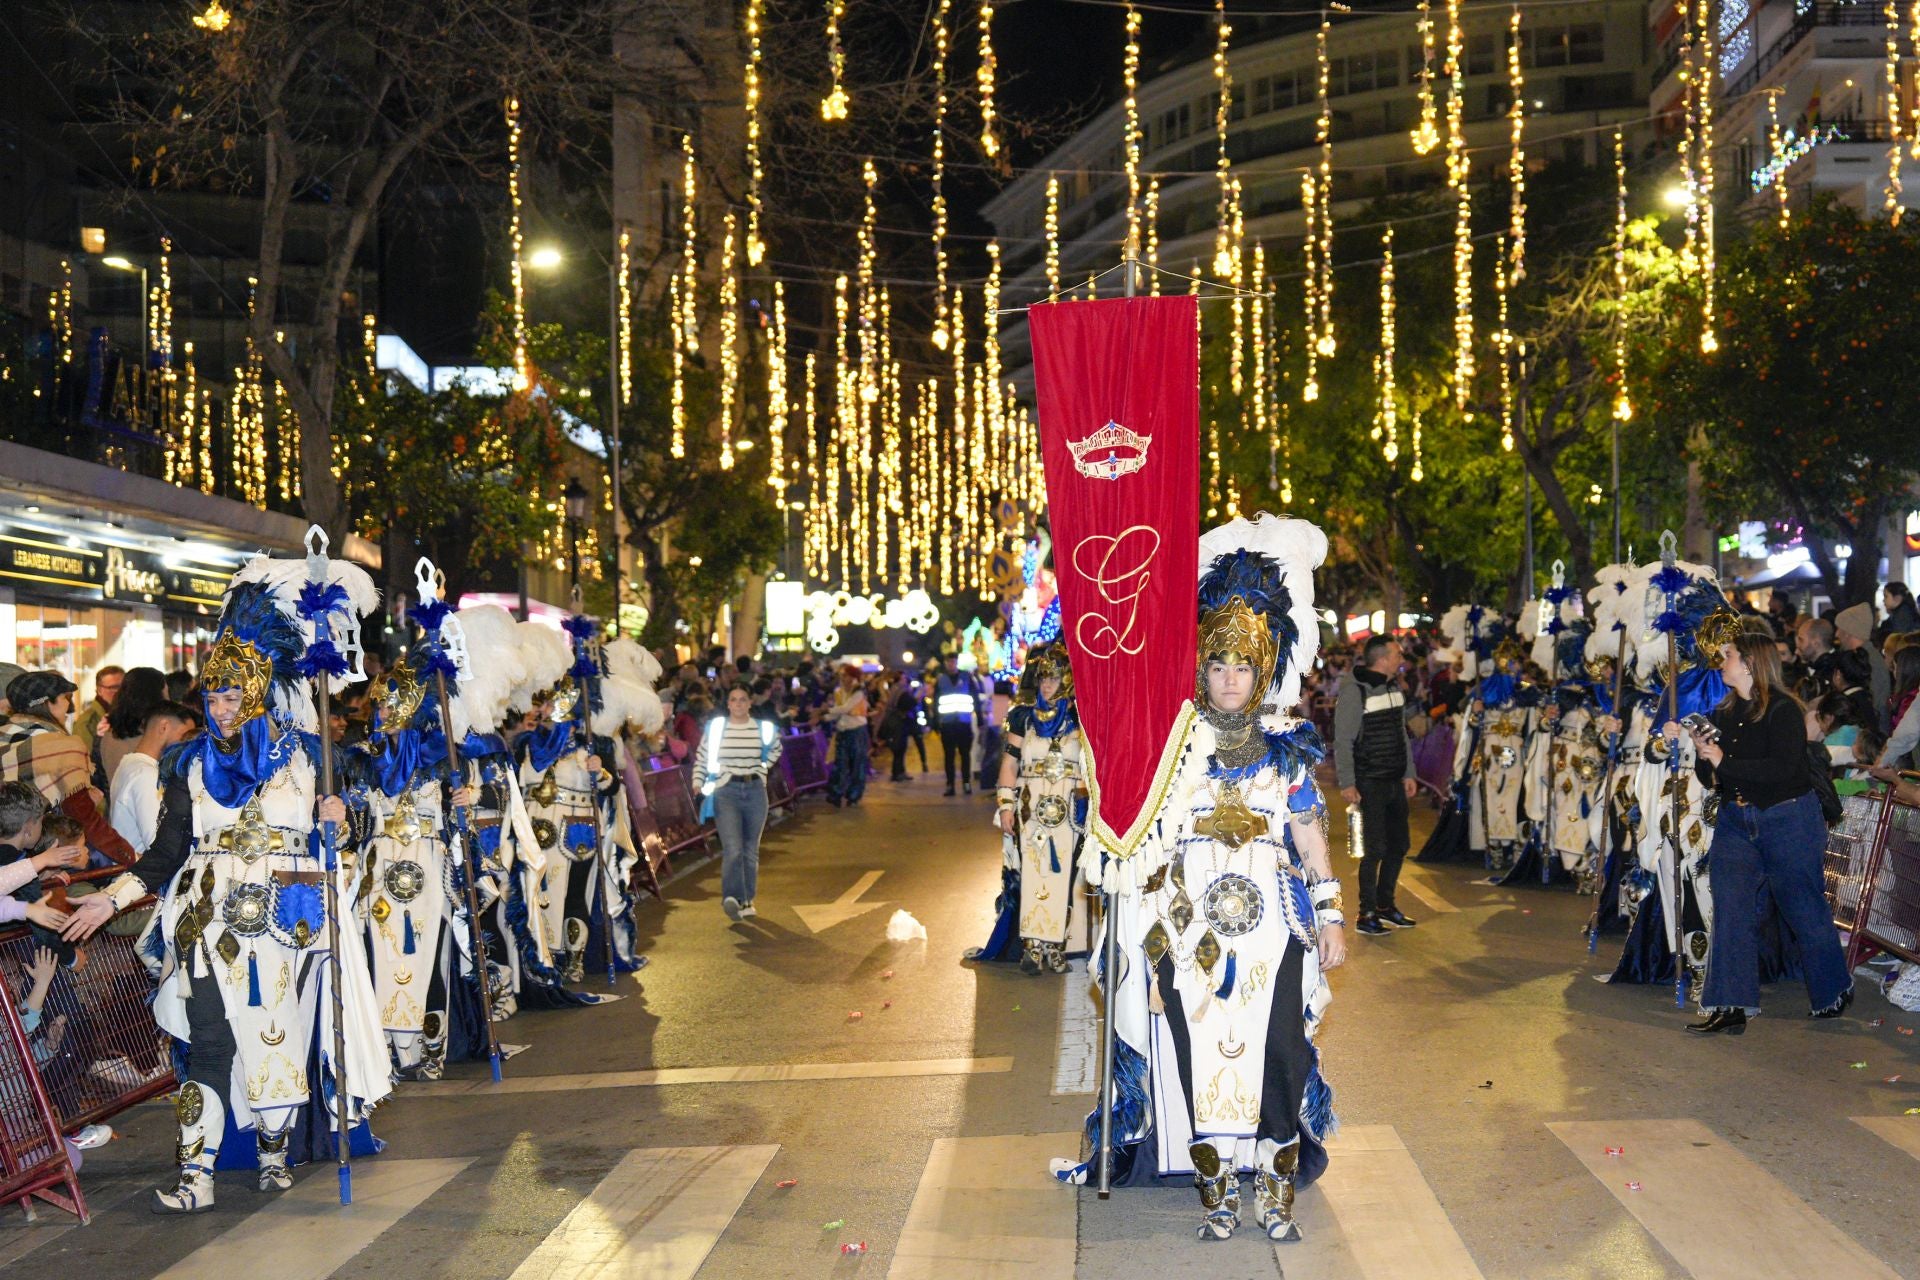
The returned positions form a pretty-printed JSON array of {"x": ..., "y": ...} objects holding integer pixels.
[{"x": 730, "y": 772}]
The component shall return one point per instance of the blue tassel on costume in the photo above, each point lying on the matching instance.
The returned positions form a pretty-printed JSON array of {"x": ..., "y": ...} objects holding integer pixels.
[
  {"x": 1316, "y": 1106},
  {"x": 1053, "y": 856},
  {"x": 406, "y": 933},
  {"x": 253, "y": 981},
  {"x": 1226, "y": 979}
]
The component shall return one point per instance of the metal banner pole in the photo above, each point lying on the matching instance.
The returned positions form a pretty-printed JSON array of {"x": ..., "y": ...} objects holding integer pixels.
[{"x": 329, "y": 843}]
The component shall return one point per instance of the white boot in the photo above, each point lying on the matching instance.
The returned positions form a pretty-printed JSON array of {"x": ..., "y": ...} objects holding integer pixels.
[
  {"x": 203, "y": 1122},
  {"x": 1273, "y": 1188},
  {"x": 271, "y": 1148}
]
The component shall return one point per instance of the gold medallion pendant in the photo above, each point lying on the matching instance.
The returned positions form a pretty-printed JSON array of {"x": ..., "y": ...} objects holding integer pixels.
[{"x": 1231, "y": 823}]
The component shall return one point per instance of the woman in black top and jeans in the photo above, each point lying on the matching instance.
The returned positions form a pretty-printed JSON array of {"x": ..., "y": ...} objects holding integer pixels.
[{"x": 1769, "y": 829}]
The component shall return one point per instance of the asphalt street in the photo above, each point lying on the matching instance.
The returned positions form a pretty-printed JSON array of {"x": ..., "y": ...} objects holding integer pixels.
[{"x": 773, "y": 1091}]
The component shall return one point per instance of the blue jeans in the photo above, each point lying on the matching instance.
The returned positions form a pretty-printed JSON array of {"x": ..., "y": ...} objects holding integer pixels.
[
  {"x": 740, "y": 815},
  {"x": 848, "y": 781},
  {"x": 1783, "y": 845}
]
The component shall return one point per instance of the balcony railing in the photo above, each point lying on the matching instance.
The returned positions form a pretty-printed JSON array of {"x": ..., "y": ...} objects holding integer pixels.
[
  {"x": 75, "y": 393},
  {"x": 1822, "y": 15}
]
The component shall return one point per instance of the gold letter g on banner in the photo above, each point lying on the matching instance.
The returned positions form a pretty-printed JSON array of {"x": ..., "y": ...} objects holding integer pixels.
[{"x": 1118, "y": 568}]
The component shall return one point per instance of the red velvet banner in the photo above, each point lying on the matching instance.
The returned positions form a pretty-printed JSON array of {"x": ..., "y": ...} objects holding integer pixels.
[{"x": 1117, "y": 386}]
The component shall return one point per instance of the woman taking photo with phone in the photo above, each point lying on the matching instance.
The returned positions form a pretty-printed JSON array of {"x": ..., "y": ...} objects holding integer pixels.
[{"x": 1753, "y": 752}]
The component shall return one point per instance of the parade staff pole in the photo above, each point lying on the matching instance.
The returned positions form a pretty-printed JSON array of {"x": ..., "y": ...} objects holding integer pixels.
[
  {"x": 1669, "y": 547},
  {"x": 1606, "y": 784},
  {"x": 329, "y": 842},
  {"x": 582, "y": 718},
  {"x": 1110, "y": 963},
  {"x": 467, "y": 855}
]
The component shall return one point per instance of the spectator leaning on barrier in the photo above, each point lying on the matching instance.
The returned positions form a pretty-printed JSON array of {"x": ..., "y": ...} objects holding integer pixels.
[
  {"x": 36, "y": 748},
  {"x": 106, "y": 687},
  {"x": 22, "y": 810},
  {"x": 1853, "y": 632}
]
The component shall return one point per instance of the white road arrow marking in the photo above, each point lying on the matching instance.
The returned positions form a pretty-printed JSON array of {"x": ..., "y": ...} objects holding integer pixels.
[{"x": 821, "y": 916}]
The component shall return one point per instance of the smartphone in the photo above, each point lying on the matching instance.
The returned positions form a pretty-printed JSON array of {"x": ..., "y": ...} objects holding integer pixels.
[{"x": 1699, "y": 724}]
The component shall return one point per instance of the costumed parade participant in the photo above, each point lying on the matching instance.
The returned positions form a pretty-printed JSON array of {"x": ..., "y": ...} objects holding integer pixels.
[
  {"x": 1680, "y": 620},
  {"x": 1575, "y": 761},
  {"x": 1552, "y": 793},
  {"x": 1470, "y": 632},
  {"x": 406, "y": 890},
  {"x": 570, "y": 774},
  {"x": 1499, "y": 717},
  {"x": 1043, "y": 819},
  {"x": 247, "y": 915},
  {"x": 1228, "y": 915},
  {"x": 1610, "y": 655}
]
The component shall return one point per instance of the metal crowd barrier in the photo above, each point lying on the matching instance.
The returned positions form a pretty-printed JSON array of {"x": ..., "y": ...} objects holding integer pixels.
[
  {"x": 1873, "y": 877},
  {"x": 670, "y": 820},
  {"x": 805, "y": 760},
  {"x": 96, "y": 1052}
]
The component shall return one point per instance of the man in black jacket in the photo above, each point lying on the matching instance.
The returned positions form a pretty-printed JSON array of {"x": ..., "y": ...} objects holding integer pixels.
[{"x": 1375, "y": 767}]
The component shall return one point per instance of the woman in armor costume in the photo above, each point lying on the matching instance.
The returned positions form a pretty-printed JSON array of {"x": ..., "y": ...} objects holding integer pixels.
[
  {"x": 242, "y": 927},
  {"x": 1502, "y": 711},
  {"x": 407, "y": 876},
  {"x": 570, "y": 774},
  {"x": 1228, "y": 915},
  {"x": 1043, "y": 812}
]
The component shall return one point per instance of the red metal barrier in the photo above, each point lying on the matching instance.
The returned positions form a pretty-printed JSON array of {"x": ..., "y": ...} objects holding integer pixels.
[
  {"x": 1873, "y": 877},
  {"x": 670, "y": 800},
  {"x": 804, "y": 758},
  {"x": 33, "y": 1150}
]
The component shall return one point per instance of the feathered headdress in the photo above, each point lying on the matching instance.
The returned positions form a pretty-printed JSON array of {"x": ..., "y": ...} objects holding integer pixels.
[
  {"x": 1557, "y": 609},
  {"x": 1674, "y": 600},
  {"x": 1610, "y": 601},
  {"x": 497, "y": 665},
  {"x": 1472, "y": 631},
  {"x": 627, "y": 660},
  {"x": 624, "y": 702},
  {"x": 1256, "y": 601},
  {"x": 545, "y": 656},
  {"x": 285, "y": 622}
]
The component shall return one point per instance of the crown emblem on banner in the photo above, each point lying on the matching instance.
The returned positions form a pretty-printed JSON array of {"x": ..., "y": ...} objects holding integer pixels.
[{"x": 1111, "y": 452}]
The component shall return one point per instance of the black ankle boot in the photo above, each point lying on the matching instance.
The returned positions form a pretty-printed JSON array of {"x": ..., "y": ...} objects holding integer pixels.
[
  {"x": 1846, "y": 1002},
  {"x": 1731, "y": 1021}
]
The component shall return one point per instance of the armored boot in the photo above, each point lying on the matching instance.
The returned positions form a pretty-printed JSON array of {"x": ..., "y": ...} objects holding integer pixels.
[
  {"x": 433, "y": 1046},
  {"x": 1219, "y": 1188},
  {"x": 1054, "y": 954},
  {"x": 1031, "y": 960},
  {"x": 272, "y": 1148},
  {"x": 203, "y": 1122},
  {"x": 1273, "y": 1188},
  {"x": 576, "y": 967}
]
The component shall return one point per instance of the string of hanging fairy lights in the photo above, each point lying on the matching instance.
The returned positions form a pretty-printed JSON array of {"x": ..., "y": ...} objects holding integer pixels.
[
  {"x": 729, "y": 336},
  {"x": 516, "y": 245},
  {"x": 1458, "y": 173},
  {"x": 1130, "y": 68},
  {"x": 624, "y": 259},
  {"x": 1622, "y": 401},
  {"x": 1777, "y": 148},
  {"x": 1223, "y": 164},
  {"x": 989, "y": 64},
  {"x": 1053, "y": 237},
  {"x": 1510, "y": 263},
  {"x": 833, "y": 107},
  {"x": 1426, "y": 134},
  {"x": 940, "y": 48},
  {"x": 1389, "y": 397},
  {"x": 684, "y": 293},
  {"x": 756, "y": 249},
  {"x": 1893, "y": 189}
]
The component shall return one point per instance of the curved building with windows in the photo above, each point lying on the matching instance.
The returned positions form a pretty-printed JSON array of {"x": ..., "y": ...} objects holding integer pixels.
[{"x": 1587, "y": 69}]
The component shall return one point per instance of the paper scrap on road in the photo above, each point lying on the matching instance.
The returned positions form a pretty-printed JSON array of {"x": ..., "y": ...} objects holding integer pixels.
[{"x": 904, "y": 928}]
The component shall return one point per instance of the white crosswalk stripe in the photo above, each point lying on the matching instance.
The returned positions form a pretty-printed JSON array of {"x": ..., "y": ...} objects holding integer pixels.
[
  {"x": 308, "y": 1233},
  {"x": 1372, "y": 1216},
  {"x": 658, "y": 1214},
  {"x": 1718, "y": 1213},
  {"x": 986, "y": 1208},
  {"x": 1900, "y": 1131},
  {"x": 1075, "y": 1066}
]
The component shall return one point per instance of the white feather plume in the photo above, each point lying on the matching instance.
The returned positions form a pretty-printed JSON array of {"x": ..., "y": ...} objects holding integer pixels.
[
  {"x": 1300, "y": 547},
  {"x": 547, "y": 654},
  {"x": 626, "y": 659},
  {"x": 283, "y": 576},
  {"x": 1608, "y": 600},
  {"x": 624, "y": 702},
  {"x": 497, "y": 664}
]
